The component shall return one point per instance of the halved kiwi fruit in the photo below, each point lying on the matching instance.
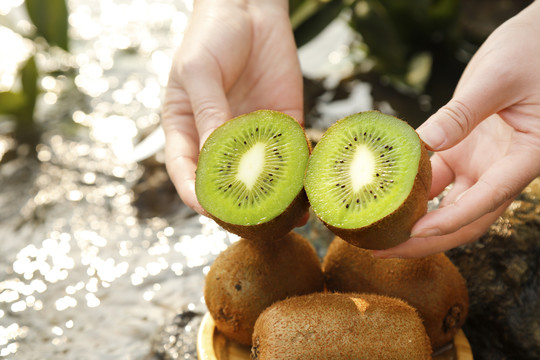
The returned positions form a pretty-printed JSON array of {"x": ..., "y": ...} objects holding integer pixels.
[
  {"x": 250, "y": 173},
  {"x": 433, "y": 285},
  {"x": 340, "y": 327},
  {"x": 368, "y": 179}
]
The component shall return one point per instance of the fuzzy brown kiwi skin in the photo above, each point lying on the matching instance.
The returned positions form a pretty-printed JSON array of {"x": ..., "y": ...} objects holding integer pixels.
[
  {"x": 249, "y": 276},
  {"x": 432, "y": 285},
  {"x": 273, "y": 229},
  {"x": 395, "y": 228},
  {"x": 279, "y": 226},
  {"x": 340, "y": 327}
]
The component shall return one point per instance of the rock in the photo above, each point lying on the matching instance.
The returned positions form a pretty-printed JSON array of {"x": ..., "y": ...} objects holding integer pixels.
[{"x": 502, "y": 270}]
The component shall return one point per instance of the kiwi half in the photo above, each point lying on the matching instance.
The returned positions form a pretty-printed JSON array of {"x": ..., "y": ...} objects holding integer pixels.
[
  {"x": 368, "y": 179},
  {"x": 249, "y": 176},
  {"x": 432, "y": 285},
  {"x": 249, "y": 276},
  {"x": 340, "y": 327}
]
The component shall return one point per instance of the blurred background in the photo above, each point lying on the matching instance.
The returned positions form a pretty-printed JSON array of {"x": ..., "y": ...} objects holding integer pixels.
[{"x": 99, "y": 259}]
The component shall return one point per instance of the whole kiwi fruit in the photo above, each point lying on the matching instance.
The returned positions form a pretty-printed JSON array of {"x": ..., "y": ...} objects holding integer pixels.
[
  {"x": 249, "y": 276},
  {"x": 250, "y": 172},
  {"x": 368, "y": 179},
  {"x": 432, "y": 285},
  {"x": 340, "y": 327}
]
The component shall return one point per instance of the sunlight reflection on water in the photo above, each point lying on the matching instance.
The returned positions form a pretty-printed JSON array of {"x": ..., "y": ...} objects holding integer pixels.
[{"x": 81, "y": 275}]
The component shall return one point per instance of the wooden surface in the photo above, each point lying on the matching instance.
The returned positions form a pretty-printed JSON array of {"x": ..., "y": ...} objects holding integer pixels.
[{"x": 212, "y": 345}]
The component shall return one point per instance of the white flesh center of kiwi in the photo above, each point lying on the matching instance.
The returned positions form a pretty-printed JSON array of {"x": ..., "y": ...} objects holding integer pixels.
[
  {"x": 362, "y": 168},
  {"x": 251, "y": 165}
]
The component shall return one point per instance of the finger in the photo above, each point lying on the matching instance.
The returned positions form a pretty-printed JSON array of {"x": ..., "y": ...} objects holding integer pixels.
[
  {"x": 181, "y": 144},
  {"x": 501, "y": 182},
  {"x": 442, "y": 175},
  {"x": 482, "y": 91},
  {"x": 190, "y": 115},
  {"x": 181, "y": 151},
  {"x": 203, "y": 84},
  {"x": 459, "y": 186},
  {"x": 425, "y": 246},
  {"x": 182, "y": 173}
]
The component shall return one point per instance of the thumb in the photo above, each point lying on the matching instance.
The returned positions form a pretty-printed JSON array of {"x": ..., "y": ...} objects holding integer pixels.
[
  {"x": 448, "y": 126},
  {"x": 479, "y": 94},
  {"x": 455, "y": 120},
  {"x": 209, "y": 103}
]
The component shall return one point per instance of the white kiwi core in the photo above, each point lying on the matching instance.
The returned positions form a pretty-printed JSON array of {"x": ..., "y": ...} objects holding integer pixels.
[
  {"x": 362, "y": 168},
  {"x": 251, "y": 165}
]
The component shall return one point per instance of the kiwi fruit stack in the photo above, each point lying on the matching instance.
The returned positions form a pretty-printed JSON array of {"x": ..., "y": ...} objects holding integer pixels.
[
  {"x": 432, "y": 285},
  {"x": 368, "y": 179},
  {"x": 249, "y": 276},
  {"x": 250, "y": 172},
  {"x": 340, "y": 327}
]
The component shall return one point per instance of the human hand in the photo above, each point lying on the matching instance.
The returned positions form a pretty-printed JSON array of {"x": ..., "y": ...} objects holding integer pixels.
[
  {"x": 236, "y": 57},
  {"x": 486, "y": 139}
]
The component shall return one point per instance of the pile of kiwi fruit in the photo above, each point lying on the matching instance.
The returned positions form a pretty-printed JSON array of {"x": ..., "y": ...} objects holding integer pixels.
[{"x": 368, "y": 180}]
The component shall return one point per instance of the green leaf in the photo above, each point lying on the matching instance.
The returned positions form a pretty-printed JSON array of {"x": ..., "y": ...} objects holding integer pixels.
[
  {"x": 51, "y": 20},
  {"x": 312, "y": 17},
  {"x": 11, "y": 102},
  {"x": 29, "y": 76},
  {"x": 294, "y": 5},
  {"x": 385, "y": 42},
  {"x": 21, "y": 104}
]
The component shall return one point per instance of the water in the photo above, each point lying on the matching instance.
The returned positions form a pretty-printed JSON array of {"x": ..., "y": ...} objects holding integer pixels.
[
  {"x": 98, "y": 258},
  {"x": 82, "y": 275}
]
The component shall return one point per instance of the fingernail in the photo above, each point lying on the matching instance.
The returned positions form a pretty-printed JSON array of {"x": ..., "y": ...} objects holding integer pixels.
[
  {"x": 432, "y": 135},
  {"x": 427, "y": 232}
]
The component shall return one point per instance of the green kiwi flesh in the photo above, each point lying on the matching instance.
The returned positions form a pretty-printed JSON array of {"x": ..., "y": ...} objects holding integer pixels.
[
  {"x": 368, "y": 179},
  {"x": 340, "y": 327},
  {"x": 433, "y": 285},
  {"x": 249, "y": 176},
  {"x": 249, "y": 276}
]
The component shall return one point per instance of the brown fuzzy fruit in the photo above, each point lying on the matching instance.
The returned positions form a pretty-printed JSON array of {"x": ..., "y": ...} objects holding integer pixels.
[
  {"x": 368, "y": 179},
  {"x": 249, "y": 276},
  {"x": 432, "y": 285},
  {"x": 250, "y": 173},
  {"x": 340, "y": 327}
]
